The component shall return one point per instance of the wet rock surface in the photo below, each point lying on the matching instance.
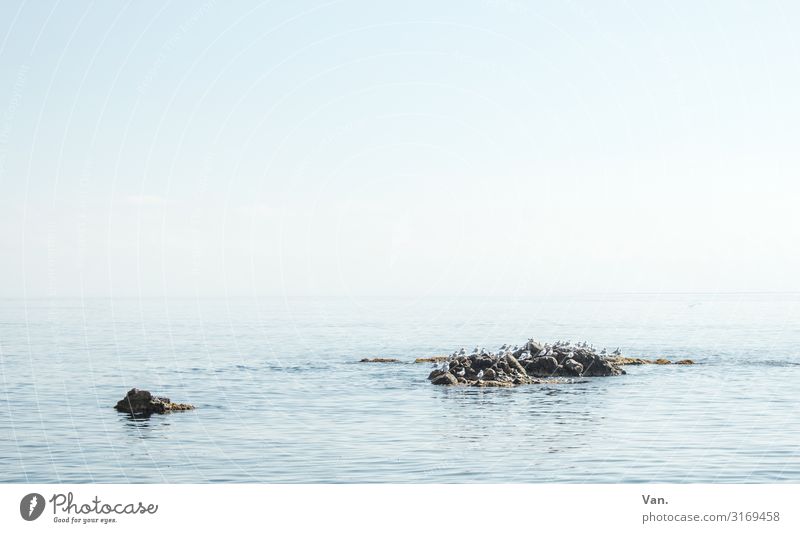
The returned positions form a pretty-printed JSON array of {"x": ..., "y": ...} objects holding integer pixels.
[
  {"x": 142, "y": 402},
  {"x": 380, "y": 360},
  {"x": 621, "y": 361},
  {"x": 533, "y": 362}
]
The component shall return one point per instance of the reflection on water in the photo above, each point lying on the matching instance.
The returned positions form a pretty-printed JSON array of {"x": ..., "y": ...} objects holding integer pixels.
[
  {"x": 281, "y": 397},
  {"x": 145, "y": 426}
]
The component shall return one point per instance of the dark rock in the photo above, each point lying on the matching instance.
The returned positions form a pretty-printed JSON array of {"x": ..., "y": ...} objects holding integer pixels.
[
  {"x": 435, "y": 373},
  {"x": 600, "y": 367},
  {"x": 572, "y": 367},
  {"x": 142, "y": 402},
  {"x": 534, "y": 348},
  {"x": 445, "y": 378},
  {"x": 484, "y": 362},
  {"x": 381, "y": 360},
  {"x": 542, "y": 366},
  {"x": 489, "y": 374},
  {"x": 514, "y": 365}
]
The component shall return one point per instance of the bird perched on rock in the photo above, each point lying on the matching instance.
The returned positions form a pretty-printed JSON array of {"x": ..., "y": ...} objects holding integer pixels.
[{"x": 480, "y": 374}]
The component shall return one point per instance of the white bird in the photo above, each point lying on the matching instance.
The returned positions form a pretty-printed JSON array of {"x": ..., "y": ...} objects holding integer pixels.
[
  {"x": 460, "y": 373},
  {"x": 446, "y": 366},
  {"x": 480, "y": 374}
]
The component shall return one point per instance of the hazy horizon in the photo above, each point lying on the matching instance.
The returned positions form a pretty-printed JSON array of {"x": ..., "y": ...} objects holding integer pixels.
[{"x": 489, "y": 148}]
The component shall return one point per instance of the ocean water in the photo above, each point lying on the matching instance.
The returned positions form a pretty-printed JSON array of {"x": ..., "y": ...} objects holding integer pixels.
[{"x": 281, "y": 396}]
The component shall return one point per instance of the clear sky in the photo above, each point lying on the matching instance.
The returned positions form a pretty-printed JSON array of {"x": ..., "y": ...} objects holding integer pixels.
[{"x": 398, "y": 148}]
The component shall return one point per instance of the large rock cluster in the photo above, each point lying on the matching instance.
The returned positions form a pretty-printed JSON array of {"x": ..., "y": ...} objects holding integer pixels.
[
  {"x": 531, "y": 363},
  {"x": 142, "y": 402}
]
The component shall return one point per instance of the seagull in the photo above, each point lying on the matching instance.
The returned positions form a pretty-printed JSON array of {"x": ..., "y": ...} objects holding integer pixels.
[
  {"x": 480, "y": 374},
  {"x": 617, "y": 352},
  {"x": 446, "y": 366},
  {"x": 460, "y": 373},
  {"x": 475, "y": 350}
]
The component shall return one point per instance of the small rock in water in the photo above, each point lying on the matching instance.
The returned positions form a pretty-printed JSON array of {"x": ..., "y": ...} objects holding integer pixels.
[
  {"x": 142, "y": 402},
  {"x": 380, "y": 360},
  {"x": 435, "y": 359}
]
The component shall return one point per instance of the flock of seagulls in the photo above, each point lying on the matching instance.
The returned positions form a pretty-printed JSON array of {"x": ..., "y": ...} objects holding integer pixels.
[{"x": 506, "y": 349}]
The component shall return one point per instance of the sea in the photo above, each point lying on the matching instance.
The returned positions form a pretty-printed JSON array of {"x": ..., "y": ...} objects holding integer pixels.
[{"x": 281, "y": 395}]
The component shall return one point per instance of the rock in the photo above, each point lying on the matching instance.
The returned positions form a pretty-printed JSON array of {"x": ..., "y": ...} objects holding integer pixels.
[
  {"x": 533, "y": 347},
  {"x": 572, "y": 367},
  {"x": 558, "y": 363},
  {"x": 514, "y": 364},
  {"x": 380, "y": 360},
  {"x": 436, "y": 359},
  {"x": 602, "y": 368},
  {"x": 542, "y": 366},
  {"x": 483, "y": 362},
  {"x": 142, "y": 402},
  {"x": 485, "y": 383},
  {"x": 619, "y": 361},
  {"x": 435, "y": 373},
  {"x": 446, "y": 378},
  {"x": 628, "y": 361}
]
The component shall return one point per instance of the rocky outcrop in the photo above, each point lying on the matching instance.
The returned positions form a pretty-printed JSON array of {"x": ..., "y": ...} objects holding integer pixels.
[
  {"x": 533, "y": 362},
  {"x": 621, "y": 361},
  {"x": 435, "y": 359},
  {"x": 142, "y": 402},
  {"x": 380, "y": 360},
  {"x": 444, "y": 378}
]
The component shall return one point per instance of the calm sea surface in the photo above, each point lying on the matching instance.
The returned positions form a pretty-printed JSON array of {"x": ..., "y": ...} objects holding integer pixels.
[{"x": 282, "y": 398}]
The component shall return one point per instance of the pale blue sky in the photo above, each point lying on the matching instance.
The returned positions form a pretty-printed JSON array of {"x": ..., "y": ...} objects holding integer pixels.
[{"x": 369, "y": 148}]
